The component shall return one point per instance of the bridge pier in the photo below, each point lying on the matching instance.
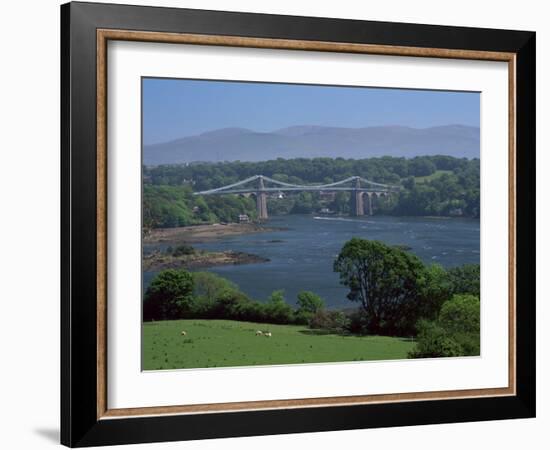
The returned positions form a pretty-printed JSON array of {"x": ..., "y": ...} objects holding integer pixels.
[
  {"x": 261, "y": 200},
  {"x": 369, "y": 210},
  {"x": 261, "y": 205},
  {"x": 357, "y": 207}
]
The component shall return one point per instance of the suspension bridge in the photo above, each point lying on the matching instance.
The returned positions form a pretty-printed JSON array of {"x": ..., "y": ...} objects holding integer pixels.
[{"x": 261, "y": 186}]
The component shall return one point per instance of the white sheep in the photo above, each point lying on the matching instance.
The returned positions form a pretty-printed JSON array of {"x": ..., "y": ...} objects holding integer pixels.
[
  {"x": 267, "y": 334},
  {"x": 259, "y": 333},
  {"x": 184, "y": 333}
]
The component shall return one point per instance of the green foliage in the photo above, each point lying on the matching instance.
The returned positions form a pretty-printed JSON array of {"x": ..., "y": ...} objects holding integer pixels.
[
  {"x": 277, "y": 309},
  {"x": 434, "y": 342},
  {"x": 388, "y": 282},
  {"x": 456, "y": 332},
  {"x": 435, "y": 291},
  {"x": 169, "y": 296},
  {"x": 208, "y": 289},
  {"x": 304, "y": 203},
  {"x": 460, "y": 317},
  {"x": 421, "y": 167},
  {"x": 167, "y": 206},
  {"x": 176, "y": 206},
  {"x": 214, "y": 297},
  {"x": 465, "y": 279},
  {"x": 341, "y": 203},
  {"x": 309, "y": 302}
]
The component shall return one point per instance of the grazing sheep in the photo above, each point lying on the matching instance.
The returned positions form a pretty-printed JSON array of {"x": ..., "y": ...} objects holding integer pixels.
[
  {"x": 267, "y": 334},
  {"x": 259, "y": 333},
  {"x": 184, "y": 333}
]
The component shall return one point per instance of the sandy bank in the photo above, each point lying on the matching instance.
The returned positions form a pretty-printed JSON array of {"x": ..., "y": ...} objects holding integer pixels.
[{"x": 202, "y": 233}]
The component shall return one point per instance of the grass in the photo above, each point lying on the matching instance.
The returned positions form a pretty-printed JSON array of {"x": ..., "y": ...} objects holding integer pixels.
[
  {"x": 226, "y": 343},
  {"x": 434, "y": 175}
]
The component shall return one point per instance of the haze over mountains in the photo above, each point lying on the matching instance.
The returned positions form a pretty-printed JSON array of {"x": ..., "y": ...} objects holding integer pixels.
[{"x": 307, "y": 141}]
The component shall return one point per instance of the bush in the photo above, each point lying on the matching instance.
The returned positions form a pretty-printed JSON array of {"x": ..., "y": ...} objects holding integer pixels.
[
  {"x": 357, "y": 322},
  {"x": 456, "y": 332},
  {"x": 277, "y": 310},
  {"x": 308, "y": 302},
  {"x": 328, "y": 320},
  {"x": 182, "y": 250},
  {"x": 177, "y": 294},
  {"x": 434, "y": 342}
]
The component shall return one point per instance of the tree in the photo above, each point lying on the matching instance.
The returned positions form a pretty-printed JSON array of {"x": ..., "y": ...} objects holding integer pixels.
[
  {"x": 277, "y": 309},
  {"x": 465, "y": 279},
  {"x": 209, "y": 288},
  {"x": 387, "y": 281},
  {"x": 308, "y": 305},
  {"x": 420, "y": 167},
  {"x": 169, "y": 296},
  {"x": 436, "y": 290},
  {"x": 309, "y": 302}
]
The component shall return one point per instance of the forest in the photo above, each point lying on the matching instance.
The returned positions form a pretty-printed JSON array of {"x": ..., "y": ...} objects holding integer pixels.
[{"x": 430, "y": 186}]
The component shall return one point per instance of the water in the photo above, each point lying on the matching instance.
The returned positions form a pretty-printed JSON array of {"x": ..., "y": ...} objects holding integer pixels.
[{"x": 302, "y": 255}]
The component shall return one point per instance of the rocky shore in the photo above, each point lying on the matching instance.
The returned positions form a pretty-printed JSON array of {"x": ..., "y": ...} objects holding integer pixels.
[{"x": 157, "y": 261}]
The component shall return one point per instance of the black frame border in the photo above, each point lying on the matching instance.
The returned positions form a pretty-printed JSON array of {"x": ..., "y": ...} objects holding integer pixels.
[{"x": 79, "y": 424}]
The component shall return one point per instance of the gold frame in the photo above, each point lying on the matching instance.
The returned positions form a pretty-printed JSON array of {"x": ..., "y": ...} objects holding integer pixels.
[{"x": 103, "y": 36}]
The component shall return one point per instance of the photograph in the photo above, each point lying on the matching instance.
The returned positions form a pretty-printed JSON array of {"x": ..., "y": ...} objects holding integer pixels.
[{"x": 298, "y": 223}]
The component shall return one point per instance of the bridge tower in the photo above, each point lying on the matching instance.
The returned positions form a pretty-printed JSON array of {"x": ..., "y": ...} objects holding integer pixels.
[
  {"x": 356, "y": 199},
  {"x": 261, "y": 200}
]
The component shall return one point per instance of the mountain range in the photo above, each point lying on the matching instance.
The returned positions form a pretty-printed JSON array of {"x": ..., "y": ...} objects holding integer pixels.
[{"x": 308, "y": 141}]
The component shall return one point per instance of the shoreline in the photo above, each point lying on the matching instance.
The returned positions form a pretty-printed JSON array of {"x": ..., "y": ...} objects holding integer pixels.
[{"x": 203, "y": 233}]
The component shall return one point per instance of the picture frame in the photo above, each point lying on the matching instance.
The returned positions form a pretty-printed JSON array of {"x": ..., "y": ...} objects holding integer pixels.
[{"x": 86, "y": 418}]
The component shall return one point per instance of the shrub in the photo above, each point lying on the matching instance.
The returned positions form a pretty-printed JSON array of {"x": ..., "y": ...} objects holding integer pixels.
[
  {"x": 357, "y": 322},
  {"x": 456, "y": 331},
  {"x": 328, "y": 320},
  {"x": 308, "y": 302},
  {"x": 183, "y": 249},
  {"x": 277, "y": 310},
  {"x": 434, "y": 342}
]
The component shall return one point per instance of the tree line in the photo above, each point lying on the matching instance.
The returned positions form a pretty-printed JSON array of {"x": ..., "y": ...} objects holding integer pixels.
[
  {"x": 398, "y": 295},
  {"x": 431, "y": 185}
]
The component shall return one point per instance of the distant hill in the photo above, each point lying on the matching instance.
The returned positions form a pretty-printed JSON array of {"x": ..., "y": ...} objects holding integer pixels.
[{"x": 232, "y": 144}]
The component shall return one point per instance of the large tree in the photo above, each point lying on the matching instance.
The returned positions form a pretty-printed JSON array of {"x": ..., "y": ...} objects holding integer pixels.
[{"x": 389, "y": 283}]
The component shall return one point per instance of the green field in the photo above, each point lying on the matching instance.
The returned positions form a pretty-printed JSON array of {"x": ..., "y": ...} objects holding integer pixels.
[{"x": 224, "y": 343}]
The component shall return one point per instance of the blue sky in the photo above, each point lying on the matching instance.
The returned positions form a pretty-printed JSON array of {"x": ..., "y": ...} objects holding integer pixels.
[{"x": 174, "y": 108}]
